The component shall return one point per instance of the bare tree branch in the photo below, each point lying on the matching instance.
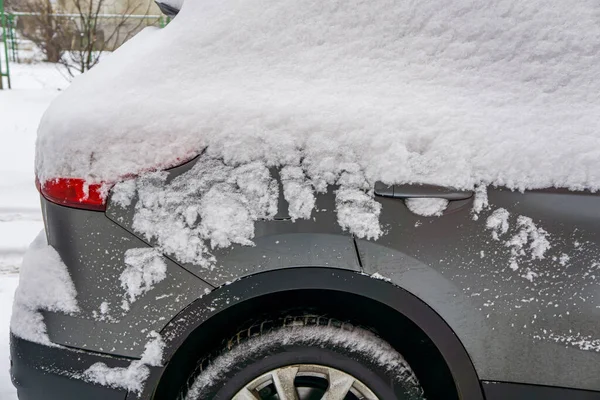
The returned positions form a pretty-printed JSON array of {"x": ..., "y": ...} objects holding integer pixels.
[{"x": 78, "y": 43}]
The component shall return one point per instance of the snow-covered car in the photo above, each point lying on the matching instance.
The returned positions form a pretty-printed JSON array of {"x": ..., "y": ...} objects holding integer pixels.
[{"x": 299, "y": 199}]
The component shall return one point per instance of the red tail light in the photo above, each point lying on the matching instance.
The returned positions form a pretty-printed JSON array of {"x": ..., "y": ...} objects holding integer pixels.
[{"x": 74, "y": 192}]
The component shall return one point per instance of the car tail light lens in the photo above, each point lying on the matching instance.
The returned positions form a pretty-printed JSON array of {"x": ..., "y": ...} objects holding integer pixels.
[
  {"x": 74, "y": 192},
  {"x": 77, "y": 193}
]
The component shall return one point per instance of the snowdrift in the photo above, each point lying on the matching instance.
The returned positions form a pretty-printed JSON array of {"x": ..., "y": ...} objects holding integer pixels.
[{"x": 456, "y": 93}]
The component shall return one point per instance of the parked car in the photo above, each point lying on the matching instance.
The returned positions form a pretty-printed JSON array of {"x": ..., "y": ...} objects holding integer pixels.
[
  {"x": 216, "y": 279},
  {"x": 303, "y": 303}
]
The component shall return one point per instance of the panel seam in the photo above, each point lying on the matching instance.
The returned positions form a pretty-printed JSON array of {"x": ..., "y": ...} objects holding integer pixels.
[{"x": 360, "y": 264}]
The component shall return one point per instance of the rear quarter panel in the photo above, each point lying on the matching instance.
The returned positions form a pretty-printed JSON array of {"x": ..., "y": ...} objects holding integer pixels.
[
  {"x": 280, "y": 243},
  {"x": 535, "y": 324}
]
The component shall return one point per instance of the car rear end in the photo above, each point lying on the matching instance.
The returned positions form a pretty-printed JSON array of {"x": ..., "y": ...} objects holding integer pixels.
[{"x": 114, "y": 317}]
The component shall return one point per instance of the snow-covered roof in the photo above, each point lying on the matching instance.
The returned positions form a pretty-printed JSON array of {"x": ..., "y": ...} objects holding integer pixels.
[{"x": 449, "y": 92}]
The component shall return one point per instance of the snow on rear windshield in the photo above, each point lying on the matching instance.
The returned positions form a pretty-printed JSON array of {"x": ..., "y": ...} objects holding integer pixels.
[{"x": 454, "y": 93}]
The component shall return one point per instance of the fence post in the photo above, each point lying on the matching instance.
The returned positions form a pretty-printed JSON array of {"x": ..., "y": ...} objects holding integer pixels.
[
  {"x": 13, "y": 37},
  {"x": 4, "y": 41}
]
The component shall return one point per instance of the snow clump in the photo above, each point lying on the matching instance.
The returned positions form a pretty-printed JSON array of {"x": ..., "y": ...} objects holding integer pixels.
[
  {"x": 44, "y": 284},
  {"x": 498, "y": 222},
  {"x": 145, "y": 268},
  {"x": 298, "y": 192},
  {"x": 212, "y": 205},
  {"x": 427, "y": 207},
  {"x": 529, "y": 240},
  {"x": 358, "y": 213}
]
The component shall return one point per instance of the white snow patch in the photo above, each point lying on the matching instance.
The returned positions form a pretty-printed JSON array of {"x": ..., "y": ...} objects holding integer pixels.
[
  {"x": 427, "y": 207},
  {"x": 530, "y": 275},
  {"x": 298, "y": 192},
  {"x": 145, "y": 268},
  {"x": 358, "y": 213},
  {"x": 133, "y": 377},
  {"x": 498, "y": 222},
  {"x": 212, "y": 205},
  {"x": 530, "y": 240},
  {"x": 582, "y": 342},
  {"x": 377, "y": 275},
  {"x": 123, "y": 193},
  {"x": 44, "y": 284},
  {"x": 480, "y": 201}
]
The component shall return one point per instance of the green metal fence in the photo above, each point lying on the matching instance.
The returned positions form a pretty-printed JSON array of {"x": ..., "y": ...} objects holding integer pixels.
[
  {"x": 4, "y": 29},
  {"x": 9, "y": 37}
]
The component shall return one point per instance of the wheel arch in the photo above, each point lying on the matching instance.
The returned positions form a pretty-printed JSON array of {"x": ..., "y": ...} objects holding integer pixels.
[{"x": 387, "y": 308}]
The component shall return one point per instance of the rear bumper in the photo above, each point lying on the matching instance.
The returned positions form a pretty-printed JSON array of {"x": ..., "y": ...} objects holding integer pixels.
[{"x": 48, "y": 373}]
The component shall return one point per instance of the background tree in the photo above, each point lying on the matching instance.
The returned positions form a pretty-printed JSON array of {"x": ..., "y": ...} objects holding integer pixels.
[
  {"x": 77, "y": 33},
  {"x": 47, "y": 30},
  {"x": 93, "y": 34}
]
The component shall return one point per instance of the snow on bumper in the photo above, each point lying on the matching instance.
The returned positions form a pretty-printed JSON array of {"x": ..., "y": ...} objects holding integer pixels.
[{"x": 44, "y": 284}]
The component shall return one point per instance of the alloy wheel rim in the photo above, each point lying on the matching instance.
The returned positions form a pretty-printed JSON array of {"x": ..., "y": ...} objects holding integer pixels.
[{"x": 305, "y": 382}]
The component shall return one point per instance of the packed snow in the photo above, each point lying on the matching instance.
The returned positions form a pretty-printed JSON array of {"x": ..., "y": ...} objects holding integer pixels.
[
  {"x": 427, "y": 207},
  {"x": 44, "y": 284}
]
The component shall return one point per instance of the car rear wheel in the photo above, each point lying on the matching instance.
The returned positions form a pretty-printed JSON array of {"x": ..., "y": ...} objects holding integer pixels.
[{"x": 304, "y": 358}]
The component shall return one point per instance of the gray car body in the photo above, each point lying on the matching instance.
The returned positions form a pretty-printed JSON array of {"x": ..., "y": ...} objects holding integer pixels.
[{"x": 507, "y": 323}]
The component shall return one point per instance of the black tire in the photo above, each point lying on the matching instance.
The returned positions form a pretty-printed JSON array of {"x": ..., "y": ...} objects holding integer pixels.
[{"x": 304, "y": 340}]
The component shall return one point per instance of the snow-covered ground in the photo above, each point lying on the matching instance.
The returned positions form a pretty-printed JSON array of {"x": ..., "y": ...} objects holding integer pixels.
[{"x": 34, "y": 87}]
